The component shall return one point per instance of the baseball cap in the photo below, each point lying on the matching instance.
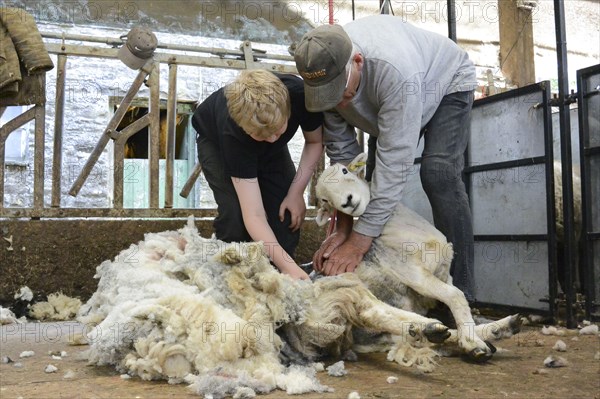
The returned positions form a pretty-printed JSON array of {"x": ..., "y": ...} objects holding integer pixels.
[
  {"x": 138, "y": 48},
  {"x": 321, "y": 58}
]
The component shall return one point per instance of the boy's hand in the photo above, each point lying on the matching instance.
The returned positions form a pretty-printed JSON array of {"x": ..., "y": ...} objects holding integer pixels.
[
  {"x": 297, "y": 273},
  {"x": 297, "y": 208}
]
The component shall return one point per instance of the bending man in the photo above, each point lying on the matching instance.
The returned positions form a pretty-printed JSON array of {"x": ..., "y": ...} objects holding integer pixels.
[{"x": 397, "y": 83}]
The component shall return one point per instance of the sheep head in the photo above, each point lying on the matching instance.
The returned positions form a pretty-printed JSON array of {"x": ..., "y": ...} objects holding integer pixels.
[{"x": 341, "y": 187}]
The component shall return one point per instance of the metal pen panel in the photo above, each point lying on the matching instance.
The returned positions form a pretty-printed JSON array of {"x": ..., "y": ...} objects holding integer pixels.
[
  {"x": 507, "y": 201},
  {"x": 588, "y": 98},
  {"x": 512, "y": 273},
  {"x": 510, "y": 176},
  {"x": 495, "y": 126}
]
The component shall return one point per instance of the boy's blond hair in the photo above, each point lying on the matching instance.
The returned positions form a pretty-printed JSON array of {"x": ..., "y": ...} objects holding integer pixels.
[{"x": 258, "y": 102}]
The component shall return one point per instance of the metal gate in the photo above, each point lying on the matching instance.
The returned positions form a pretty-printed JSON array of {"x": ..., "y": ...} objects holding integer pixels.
[
  {"x": 588, "y": 90},
  {"x": 510, "y": 179},
  {"x": 509, "y": 171}
]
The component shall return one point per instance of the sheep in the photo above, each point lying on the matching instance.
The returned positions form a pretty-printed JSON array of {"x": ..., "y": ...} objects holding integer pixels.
[
  {"x": 558, "y": 202},
  {"x": 184, "y": 308},
  {"x": 560, "y": 226},
  {"x": 408, "y": 265}
]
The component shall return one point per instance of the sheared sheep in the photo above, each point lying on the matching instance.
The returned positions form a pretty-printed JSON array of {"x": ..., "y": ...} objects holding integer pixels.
[
  {"x": 181, "y": 307},
  {"x": 408, "y": 265}
]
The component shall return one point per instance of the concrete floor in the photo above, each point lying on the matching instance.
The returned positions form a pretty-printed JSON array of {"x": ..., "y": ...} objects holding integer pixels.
[{"x": 512, "y": 373}]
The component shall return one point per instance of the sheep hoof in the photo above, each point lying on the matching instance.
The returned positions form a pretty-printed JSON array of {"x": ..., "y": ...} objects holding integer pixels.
[
  {"x": 515, "y": 323},
  {"x": 479, "y": 355},
  {"x": 491, "y": 346},
  {"x": 436, "y": 332}
]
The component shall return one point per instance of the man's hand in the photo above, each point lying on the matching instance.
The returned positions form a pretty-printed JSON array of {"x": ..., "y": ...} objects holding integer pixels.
[
  {"x": 348, "y": 255},
  {"x": 327, "y": 247}
]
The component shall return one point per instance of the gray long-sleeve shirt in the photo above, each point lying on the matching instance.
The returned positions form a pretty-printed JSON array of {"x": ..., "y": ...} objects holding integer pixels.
[{"x": 406, "y": 73}]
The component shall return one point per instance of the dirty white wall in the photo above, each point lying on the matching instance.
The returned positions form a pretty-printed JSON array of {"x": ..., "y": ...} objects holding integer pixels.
[{"x": 89, "y": 84}]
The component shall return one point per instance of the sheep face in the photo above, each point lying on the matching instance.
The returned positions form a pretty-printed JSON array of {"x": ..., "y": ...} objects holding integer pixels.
[{"x": 340, "y": 187}]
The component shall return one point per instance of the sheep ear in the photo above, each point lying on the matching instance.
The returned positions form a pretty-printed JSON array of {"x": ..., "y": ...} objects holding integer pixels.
[
  {"x": 323, "y": 215},
  {"x": 358, "y": 164}
]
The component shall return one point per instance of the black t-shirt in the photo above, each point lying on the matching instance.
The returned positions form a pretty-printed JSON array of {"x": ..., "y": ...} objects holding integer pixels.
[{"x": 242, "y": 155}]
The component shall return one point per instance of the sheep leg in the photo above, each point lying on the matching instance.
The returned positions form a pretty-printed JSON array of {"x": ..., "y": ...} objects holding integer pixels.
[
  {"x": 494, "y": 331},
  {"x": 379, "y": 316},
  {"x": 411, "y": 327},
  {"x": 503, "y": 328},
  {"x": 425, "y": 283}
]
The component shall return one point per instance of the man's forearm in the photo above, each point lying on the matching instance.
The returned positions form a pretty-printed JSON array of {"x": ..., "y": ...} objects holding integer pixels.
[
  {"x": 360, "y": 241},
  {"x": 344, "y": 223}
]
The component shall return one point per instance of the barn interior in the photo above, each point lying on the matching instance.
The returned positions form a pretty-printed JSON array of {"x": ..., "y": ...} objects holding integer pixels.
[{"x": 94, "y": 155}]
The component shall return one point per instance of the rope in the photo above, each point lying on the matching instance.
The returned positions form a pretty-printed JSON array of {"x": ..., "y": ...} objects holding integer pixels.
[
  {"x": 330, "y": 12},
  {"x": 331, "y": 227}
]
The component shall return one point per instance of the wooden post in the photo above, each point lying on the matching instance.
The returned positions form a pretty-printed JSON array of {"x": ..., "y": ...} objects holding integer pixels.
[
  {"x": 59, "y": 108},
  {"x": 516, "y": 42}
]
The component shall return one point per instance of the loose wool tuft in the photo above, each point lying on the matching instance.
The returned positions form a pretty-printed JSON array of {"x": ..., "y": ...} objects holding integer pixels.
[
  {"x": 58, "y": 307},
  {"x": 24, "y": 294},
  {"x": 7, "y": 316}
]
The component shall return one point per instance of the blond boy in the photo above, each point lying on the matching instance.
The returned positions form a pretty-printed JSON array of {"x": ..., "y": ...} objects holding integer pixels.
[{"x": 242, "y": 135}]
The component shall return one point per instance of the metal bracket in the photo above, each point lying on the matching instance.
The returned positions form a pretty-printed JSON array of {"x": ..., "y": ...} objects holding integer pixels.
[{"x": 569, "y": 99}]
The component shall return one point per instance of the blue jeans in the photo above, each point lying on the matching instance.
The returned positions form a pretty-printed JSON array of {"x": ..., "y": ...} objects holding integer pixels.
[{"x": 446, "y": 136}]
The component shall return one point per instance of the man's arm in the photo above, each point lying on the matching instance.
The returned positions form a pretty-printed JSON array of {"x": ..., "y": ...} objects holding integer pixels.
[
  {"x": 399, "y": 123},
  {"x": 339, "y": 138}
]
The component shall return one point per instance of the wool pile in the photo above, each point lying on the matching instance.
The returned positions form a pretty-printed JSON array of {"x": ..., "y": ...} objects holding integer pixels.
[{"x": 183, "y": 308}]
